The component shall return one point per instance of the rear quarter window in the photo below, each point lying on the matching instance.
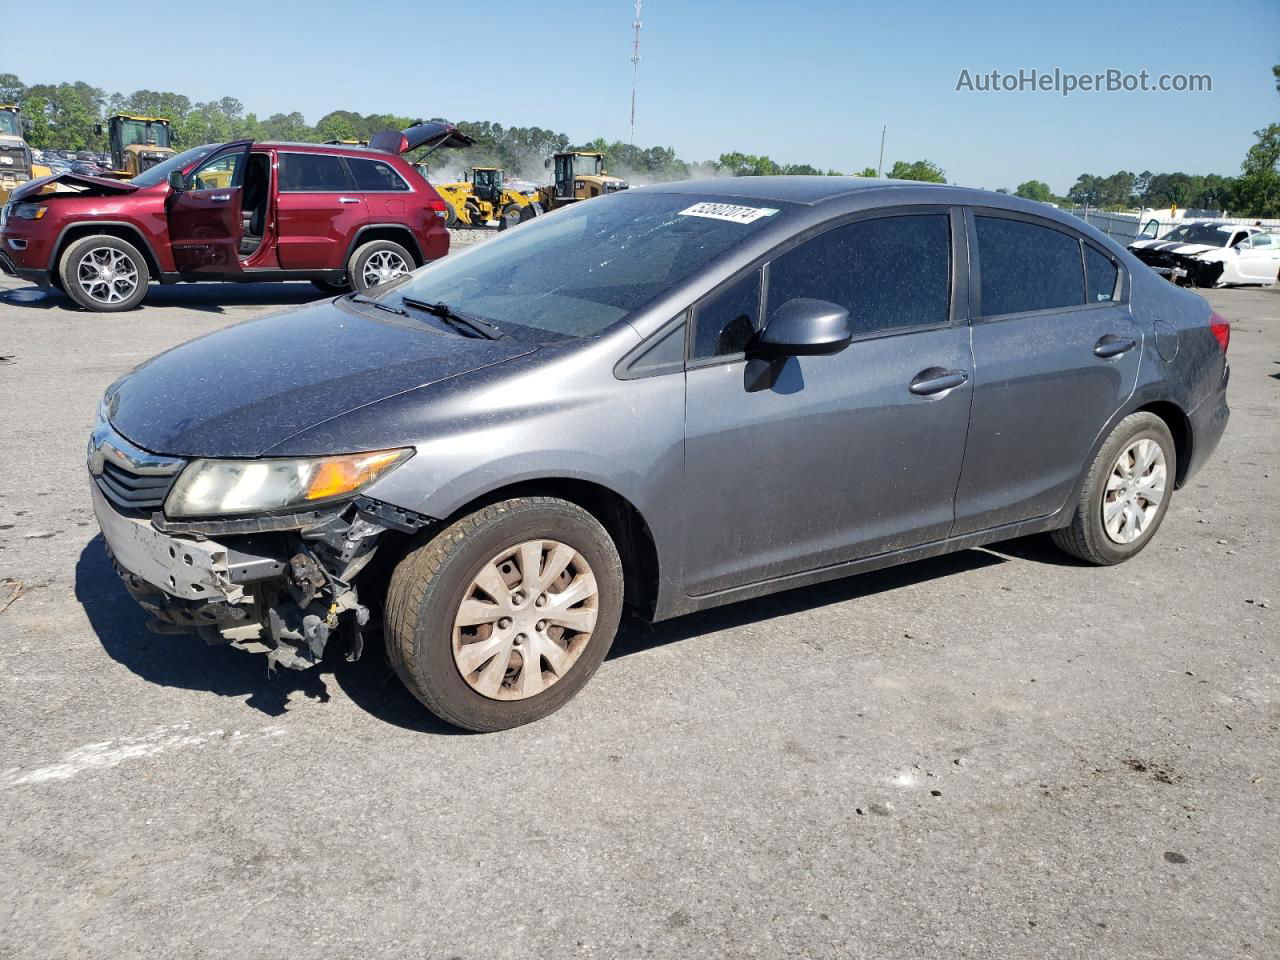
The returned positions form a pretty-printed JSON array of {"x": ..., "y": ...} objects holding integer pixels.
[
  {"x": 1026, "y": 267},
  {"x": 1100, "y": 276},
  {"x": 375, "y": 175}
]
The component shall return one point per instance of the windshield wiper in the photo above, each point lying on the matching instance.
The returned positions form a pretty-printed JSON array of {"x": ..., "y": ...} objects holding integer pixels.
[
  {"x": 457, "y": 318},
  {"x": 357, "y": 298}
]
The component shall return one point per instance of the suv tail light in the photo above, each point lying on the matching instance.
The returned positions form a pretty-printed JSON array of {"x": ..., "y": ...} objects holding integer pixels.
[
  {"x": 436, "y": 205},
  {"x": 1221, "y": 330}
]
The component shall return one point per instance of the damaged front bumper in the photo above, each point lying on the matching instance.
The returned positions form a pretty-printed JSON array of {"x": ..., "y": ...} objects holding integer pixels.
[{"x": 283, "y": 585}]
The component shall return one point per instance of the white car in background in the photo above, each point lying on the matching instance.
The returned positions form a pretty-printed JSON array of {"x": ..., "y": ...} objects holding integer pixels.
[{"x": 1212, "y": 253}]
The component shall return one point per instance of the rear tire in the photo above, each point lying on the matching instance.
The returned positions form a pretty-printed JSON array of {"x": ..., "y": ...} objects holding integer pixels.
[
  {"x": 377, "y": 261},
  {"x": 436, "y": 586},
  {"x": 104, "y": 274},
  {"x": 510, "y": 216},
  {"x": 1116, "y": 478}
]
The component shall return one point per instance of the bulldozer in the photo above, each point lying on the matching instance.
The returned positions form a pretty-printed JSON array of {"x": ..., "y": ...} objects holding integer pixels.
[
  {"x": 481, "y": 197},
  {"x": 16, "y": 165},
  {"x": 577, "y": 176},
  {"x": 137, "y": 144}
]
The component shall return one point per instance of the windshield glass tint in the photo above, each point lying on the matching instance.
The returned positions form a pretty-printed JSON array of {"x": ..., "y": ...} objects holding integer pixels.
[
  {"x": 139, "y": 131},
  {"x": 9, "y": 124},
  {"x": 577, "y": 271},
  {"x": 1200, "y": 233},
  {"x": 160, "y": 172}
]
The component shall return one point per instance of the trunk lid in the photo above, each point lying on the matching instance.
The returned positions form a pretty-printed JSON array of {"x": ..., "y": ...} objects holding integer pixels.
[
  {"x": 433, "y": 136},
  {"x": 244, "y": 389}
]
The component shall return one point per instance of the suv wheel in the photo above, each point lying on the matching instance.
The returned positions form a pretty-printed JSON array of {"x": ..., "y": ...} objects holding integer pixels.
[
  {"x": 377, "y": 262},
  {"x": 503, "y": 616},
  {"x": 104, "y": 274},
  {"x": 1125, "y": 495}
]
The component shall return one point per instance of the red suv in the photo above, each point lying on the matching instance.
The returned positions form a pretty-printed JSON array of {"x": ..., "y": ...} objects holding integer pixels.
[{"x": 340, "y": 216}]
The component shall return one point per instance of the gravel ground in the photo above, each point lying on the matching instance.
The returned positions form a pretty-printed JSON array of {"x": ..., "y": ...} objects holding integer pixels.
[{"x": 993, "y": 754}]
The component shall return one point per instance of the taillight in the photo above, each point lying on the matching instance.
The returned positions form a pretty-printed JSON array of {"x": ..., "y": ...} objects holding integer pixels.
[
  {"x": 1220, "y": 329},
  {"x": 436, "y": 206}
]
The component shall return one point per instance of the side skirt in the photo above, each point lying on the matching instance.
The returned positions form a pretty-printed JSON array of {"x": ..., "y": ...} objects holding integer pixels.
[{"x": 681, "y": 605}]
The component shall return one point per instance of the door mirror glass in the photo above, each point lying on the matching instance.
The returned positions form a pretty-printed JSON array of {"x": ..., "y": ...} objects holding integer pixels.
[
  {"x": 175, "y": 180},
  {"x": 803, "y": 327}
]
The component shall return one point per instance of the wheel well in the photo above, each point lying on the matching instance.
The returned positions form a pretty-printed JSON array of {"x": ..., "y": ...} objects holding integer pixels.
[
  {"x": 1180, "y": 427},
  {"x": 616, "y": 514},
  {"x": 119, "y": 231},
  {"x": 401, "y": 235}
]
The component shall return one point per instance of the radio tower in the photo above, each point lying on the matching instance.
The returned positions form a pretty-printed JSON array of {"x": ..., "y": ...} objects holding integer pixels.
[{"x": 635, "y": 69}]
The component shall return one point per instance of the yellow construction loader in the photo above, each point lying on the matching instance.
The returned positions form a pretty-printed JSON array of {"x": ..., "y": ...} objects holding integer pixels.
[
  {"x": 137, "y": 144},
  {"x": 577, "y": 175},
  {"x": 481, "y": 197},
  {"x": 16, "y": 165}
]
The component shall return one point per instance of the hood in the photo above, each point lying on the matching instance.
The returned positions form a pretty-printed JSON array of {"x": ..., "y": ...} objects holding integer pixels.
[
  {"x": 79, "y": 182},
  {"x": 429, "y": 135},
  {"x": 242, "y": 390}
]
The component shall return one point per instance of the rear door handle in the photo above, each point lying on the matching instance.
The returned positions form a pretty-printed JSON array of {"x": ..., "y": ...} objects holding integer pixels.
[
  {"x": 937, "y": 380},
  {"x": 1112, "y": 346},
  {"x": 348, "y": 199}
]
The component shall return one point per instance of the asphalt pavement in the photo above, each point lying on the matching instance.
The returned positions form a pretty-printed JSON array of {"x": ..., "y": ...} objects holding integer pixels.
[{"x": 999, "y": 753}]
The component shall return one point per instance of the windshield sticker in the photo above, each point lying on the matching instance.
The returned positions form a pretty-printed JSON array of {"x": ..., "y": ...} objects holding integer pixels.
[{"x": 728, "y": 211}]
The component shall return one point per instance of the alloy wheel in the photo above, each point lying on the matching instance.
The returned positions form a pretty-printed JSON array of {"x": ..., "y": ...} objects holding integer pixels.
[
  {"x": 1135, "y": 489},
  {"x": 525, "y": 619},
  {"x": 382, "y": 266},
  {"x": 107, "y": 275}
]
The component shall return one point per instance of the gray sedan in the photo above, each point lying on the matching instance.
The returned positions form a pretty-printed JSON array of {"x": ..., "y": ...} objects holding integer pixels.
[{"x": 665, "y": 399}]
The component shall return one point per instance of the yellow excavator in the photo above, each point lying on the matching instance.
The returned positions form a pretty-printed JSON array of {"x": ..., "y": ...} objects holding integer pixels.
[
  {"x": 481, "y": 197},
  {"x": 16, "y": 165},
  {"x": 137, "y": 143}
]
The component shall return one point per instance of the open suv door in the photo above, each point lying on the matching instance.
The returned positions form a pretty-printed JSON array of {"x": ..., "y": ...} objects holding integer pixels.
[{"x": 204, "y": 216}]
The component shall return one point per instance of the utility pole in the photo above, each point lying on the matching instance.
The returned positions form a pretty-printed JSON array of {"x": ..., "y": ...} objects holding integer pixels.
[
  {"x": 880, "y": 169},
  {"x": 635, "y": 69}
]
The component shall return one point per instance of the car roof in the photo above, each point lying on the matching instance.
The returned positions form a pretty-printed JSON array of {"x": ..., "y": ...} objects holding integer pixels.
[{"x": 341, "y": 148}]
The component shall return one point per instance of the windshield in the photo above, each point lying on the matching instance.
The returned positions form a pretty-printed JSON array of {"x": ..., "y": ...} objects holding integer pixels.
[
  {"x": 577, "y": 271},
  {"x": 1214, "y": 236},
  {"x": 9, "y": 123},
  {"x": 160, "y": 172},
  {"x": 144, "y": 132}
]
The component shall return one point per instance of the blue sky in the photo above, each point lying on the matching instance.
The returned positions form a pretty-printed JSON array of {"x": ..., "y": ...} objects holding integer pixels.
[{"x": 800, "y": 81}]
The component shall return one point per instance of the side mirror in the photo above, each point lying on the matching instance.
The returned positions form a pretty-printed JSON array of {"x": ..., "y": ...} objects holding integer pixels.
[
  {"x": 803, "y": 327},
  {"x": 97, "y": 129},
  {"x": 547, "y": 163},
  {"x": 176, "y": 181}
]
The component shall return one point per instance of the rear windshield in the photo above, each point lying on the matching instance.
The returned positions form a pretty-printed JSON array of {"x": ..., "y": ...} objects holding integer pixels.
[
  {"x": 160, "y": 172},
  {"x": 1200, "y": 233},
  {"x": 579, "y": 270}
]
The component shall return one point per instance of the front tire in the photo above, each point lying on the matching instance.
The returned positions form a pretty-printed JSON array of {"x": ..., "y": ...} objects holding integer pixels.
[
  {"x": 501, "y": 618},
  {"x": 331, "y": 289},
  {"x": 376, "y": 262},
  {"x": 104, "y": 274},
  {"x": 1125, "y": 495}
]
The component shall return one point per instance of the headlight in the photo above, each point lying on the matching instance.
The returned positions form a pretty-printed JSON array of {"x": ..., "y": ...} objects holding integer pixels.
[
  {"x": 29, "y": 211},
  {"x": 216, "y": 488}
]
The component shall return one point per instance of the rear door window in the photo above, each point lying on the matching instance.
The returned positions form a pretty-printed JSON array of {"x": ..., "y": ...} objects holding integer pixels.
[
  {"x": 1025, "y": 266},
  {"x": 891, "y": 273},
  {"x": 375, "y": 176},
  {"x": 1100, "y": 275},
  {"x": 313, "y": 173}
]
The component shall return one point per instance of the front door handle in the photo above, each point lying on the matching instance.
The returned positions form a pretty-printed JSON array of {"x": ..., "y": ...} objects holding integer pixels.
[
  {"x": 220, "y": 197},
  {"x": 348, "y": 199},
  {"x": 1112, "y": 346},
  {"x": 937, "y": 380}
]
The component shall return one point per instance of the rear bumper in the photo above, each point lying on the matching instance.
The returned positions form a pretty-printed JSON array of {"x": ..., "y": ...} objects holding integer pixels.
[{"x": 1208, "y": 423}]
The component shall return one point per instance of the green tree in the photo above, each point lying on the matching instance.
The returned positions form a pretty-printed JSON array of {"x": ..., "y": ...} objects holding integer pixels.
[
  {"x": 868, "y": 172},
  {"x": 919, "y": 170},
  {"x": 35, "y": 110},
  {"x": 1034, "y": 190},
  {"x": 1257, "y": 191}
]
